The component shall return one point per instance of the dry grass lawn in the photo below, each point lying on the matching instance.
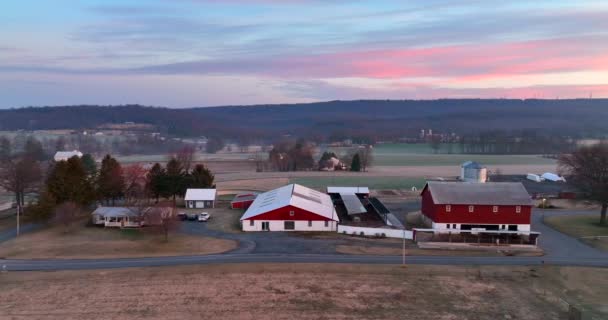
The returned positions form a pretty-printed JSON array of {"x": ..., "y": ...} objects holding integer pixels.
[
  {"x": 85, "y": 243},
  {"x": 584, "y": 226},
  {"x": 414, "y": 251},
  {"x": 303, "y": 291}
]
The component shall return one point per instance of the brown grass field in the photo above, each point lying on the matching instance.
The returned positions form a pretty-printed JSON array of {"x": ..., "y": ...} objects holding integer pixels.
[
  {"x": 87, "y": 243},
  {"x": 304, "y": 291}
]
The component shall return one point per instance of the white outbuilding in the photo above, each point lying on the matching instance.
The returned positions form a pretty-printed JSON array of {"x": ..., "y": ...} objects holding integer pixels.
[
  {"x": 65, "y": 155},
  {"x": 291, "y": 208},
  {"x": 200, "y": 198},
  {"x": 552, "y": 177}
]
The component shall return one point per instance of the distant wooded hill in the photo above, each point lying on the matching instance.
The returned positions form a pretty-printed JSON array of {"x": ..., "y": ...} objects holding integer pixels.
[{"x": 378, "y": 119}]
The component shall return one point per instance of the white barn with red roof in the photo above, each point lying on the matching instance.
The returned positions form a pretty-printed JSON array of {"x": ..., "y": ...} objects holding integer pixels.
[{"x": 291, "y": 208}]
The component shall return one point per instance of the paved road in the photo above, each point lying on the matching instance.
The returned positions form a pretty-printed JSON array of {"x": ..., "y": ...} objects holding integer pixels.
[{"x": 281, "y": 247}]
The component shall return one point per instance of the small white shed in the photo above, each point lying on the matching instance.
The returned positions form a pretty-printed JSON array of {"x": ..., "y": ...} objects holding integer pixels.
[
  {"x": 65, "y": 155},
  {"x": 200, "y": 198}
]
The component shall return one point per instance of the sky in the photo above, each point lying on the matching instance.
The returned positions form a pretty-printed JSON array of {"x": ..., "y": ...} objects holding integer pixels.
[{"x": 196, "y": 53}]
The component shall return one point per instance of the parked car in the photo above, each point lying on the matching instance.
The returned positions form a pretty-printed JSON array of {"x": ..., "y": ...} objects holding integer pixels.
[
  {"x": 202, "y": 217},
  {"x": 182, "y": 216},
  {"x": 192, "y": 216}
]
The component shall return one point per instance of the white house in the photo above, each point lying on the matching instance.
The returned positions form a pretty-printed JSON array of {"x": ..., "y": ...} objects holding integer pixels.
[
  {"x": 118, "y": 217},
  {"x": 65, "y": 155},
  {"x": 200, "y": 198},
  {"x": 291, "y": 208}
]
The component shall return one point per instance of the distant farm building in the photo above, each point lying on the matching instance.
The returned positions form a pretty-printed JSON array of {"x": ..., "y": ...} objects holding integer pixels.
[
  {"x": 548, "y": 176},
  {"x": 243, "y": 200},
  {"x": 200, "y": 198},
  {"x": 472, "y": 171},
  {"x": 65, "y": 155},
  {"x": 291, "y": 208},
  {"x": 500, "y": 206}
]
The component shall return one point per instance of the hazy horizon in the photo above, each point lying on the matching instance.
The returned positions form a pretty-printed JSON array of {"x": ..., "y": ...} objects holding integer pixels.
[{"x": 199, "y": 53}]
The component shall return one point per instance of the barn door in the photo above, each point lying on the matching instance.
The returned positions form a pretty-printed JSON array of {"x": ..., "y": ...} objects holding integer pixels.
[{"x": 265, "y": 226}]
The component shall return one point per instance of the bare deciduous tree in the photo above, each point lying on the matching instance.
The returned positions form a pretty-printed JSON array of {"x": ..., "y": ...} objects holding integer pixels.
[
  {"x": 19, "y": 176},
  {"x": 162, "y": 218},
  {"x": 587, "y": 168},
  {"x": 185, "y": 156}
]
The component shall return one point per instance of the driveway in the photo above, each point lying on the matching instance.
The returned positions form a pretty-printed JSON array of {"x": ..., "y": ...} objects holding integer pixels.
[{"x": 558, "y": 244}]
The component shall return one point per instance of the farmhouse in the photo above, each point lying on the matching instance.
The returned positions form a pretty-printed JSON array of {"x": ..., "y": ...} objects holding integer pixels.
[
  {"x": 200, "y": 198},
  {"x": 243, "y": 200},
  {"x": 291, "y": 208},
  {"x": 65, "y": 155},
  {"x": 477, "y": 206},
  {"x": 118, "y": 217}
]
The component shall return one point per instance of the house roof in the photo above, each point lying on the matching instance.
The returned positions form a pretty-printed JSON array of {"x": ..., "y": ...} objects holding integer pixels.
[
  {"x": 200, "y": 194},
  {"x": 64, "y": 155},
  {"x": 294, "y": 195},
  {"x": 115, "y": 212},
  {"x": 348, "y": 190},
  {"x": 490, "y": 193},
  {"x": 472, "y": 165},
  {"x": 244, "y": 197}
]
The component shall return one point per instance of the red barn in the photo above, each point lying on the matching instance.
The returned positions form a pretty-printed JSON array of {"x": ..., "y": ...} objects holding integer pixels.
[
  {"x": 243, "y": 200},
  {"x": 466, "y": 206},
  {"x": 291, "y": 208}
]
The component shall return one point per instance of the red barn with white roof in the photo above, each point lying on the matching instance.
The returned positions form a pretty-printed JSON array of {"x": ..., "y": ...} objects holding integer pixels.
[
  {"x": 465, "y": 206},
  {"x": 291, "y": 208}
]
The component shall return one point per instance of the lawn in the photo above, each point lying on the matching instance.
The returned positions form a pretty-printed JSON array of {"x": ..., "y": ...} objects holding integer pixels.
[
  {"x": 584, "y": 226},
  {"x": 93, "y": 242},
  {"x": 304, "y": 291},
  {"x": 378, "y": 183},
  {"x": 224, "y": 219}
]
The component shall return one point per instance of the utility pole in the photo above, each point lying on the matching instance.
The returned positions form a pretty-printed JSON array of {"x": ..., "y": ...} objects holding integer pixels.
[
  {"x": 18, "y": 216},
  {"x": 404, "y": 220}
]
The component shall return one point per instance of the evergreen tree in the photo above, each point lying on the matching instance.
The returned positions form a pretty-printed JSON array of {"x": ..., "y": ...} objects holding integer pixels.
[
  {"x": 156, "y": 182},
  {"x": 110, "y": 181},
  {"x": 175, "y": 178},
  {"x": 89, "y": 165},
  {"x": 201, "y": 177},
  {"x": 68, "y": 181},
  {"x": 356, "y": 163}
]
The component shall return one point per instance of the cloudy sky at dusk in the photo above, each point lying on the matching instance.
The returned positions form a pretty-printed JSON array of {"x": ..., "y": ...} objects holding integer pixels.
[{"x": 186, "y": 53}]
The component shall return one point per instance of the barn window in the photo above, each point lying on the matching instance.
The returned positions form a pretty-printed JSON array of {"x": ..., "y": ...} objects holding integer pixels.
[
  {"x": 326, "y": 224},
  {"x": 289, "y": 225},
  {"x": 448, "y": 225},
  {"x": 518, "y": 209},
  {"x": 310, "y": 223},
  {"x": 495, "y": 209},
  {"x": 454, "y": 226},
  {"x": 251, "y": 223},
  {"x": 471, "y": 208},
  {"x": 448, "y": 208},
  {"x": 292, "y": 213}
]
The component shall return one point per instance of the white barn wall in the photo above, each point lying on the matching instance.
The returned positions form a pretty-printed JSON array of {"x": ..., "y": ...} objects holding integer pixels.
[{"x": 278, "y": 225}]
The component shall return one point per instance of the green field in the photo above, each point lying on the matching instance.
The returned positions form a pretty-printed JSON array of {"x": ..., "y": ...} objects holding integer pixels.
[
  {"x": 407, "y": 159},
  {"x": 381, "y": 183}
]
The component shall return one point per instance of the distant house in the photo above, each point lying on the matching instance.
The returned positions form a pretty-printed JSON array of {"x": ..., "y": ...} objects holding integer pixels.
[
  {"x": 291, "y": 208},
  {"x": 200, "y": 198},
  {"x": 118, "y": 217},
  {"x": 65, "y": 155},
  {"x": 469, "y": 206},
  {"x": 243, "y": 200},
  {"x": 472, "y": 171}
]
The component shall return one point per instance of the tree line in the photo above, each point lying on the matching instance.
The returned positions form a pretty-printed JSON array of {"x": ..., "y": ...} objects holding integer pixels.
[{"x": 78, "y": 182}]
